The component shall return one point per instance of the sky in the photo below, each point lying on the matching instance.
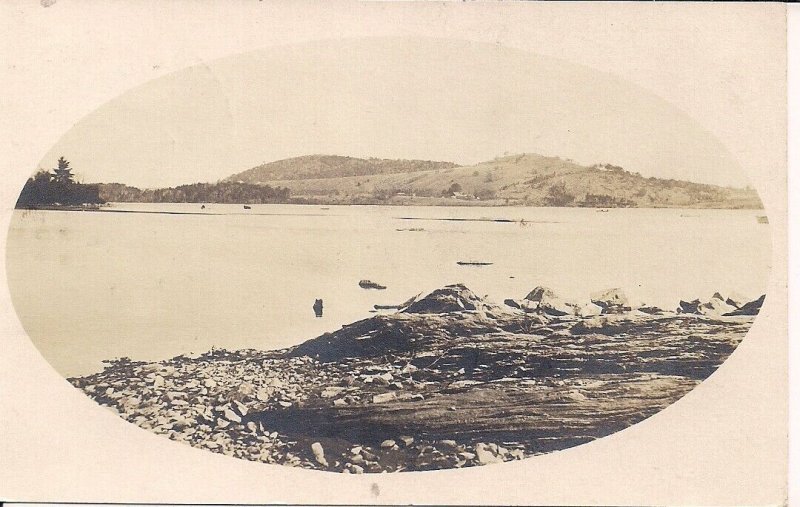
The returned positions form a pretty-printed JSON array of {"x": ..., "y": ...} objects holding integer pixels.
[{"x": 428, "y": 99}]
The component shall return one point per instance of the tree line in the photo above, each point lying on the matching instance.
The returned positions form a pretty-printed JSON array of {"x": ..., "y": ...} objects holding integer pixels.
[
  {"x": 224, "y": 192},
  {"x": 57, "y": 188}
]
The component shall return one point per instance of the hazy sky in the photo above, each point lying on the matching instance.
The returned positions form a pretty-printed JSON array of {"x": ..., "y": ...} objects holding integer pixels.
[{"x": 391, "y": 98}]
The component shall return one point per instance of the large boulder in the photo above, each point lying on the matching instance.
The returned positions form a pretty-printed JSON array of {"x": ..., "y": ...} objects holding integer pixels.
[
  {"x": 589, "y": 310},
  {"x": 540, "y": 294},
  {"x": 751, "y": 308},
  {"x": 688, "y": 306},
  {"x": 611, "y": 300},
  {"x": 451, "y": 298},
  {"x": 545, "y": 300},
  {"x": 715, "y": 306}
]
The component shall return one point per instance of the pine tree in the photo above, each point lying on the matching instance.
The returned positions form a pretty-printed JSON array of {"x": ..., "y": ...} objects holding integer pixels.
[{"x": 62, "y": 173}]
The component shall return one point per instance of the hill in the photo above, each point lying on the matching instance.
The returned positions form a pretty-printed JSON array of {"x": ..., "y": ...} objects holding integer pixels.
[
  {"x": 332, "y": 166},
  {"x": 526, "y": 179}
]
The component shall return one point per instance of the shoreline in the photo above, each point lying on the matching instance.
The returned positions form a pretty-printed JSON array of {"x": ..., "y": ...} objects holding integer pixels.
[
  {"x": 448, "y": 381},
  {"x": 455, "y": 203}
]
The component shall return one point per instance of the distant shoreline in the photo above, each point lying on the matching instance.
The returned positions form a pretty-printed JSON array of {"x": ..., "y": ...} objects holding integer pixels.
[{"x": 104, "y": 208}]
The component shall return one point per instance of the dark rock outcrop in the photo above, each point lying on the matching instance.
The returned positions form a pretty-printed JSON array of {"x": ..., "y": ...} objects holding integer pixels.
[
  {"x": 369, "y": 284},
  {"x": 751, "y": 308}
]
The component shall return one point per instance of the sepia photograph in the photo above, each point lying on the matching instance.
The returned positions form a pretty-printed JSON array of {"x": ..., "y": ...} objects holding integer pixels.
[{"x": 390, "y": 254}]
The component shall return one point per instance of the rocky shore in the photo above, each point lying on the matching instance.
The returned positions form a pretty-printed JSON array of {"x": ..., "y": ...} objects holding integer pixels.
[{"x": 449, "y": 380}]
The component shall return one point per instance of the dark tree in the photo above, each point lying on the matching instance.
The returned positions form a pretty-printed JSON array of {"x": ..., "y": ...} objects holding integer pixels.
[
  {"x": 57, "y": 189},
  {"x": 557, "y": 195},
  {"x": 62, "y": 173}
]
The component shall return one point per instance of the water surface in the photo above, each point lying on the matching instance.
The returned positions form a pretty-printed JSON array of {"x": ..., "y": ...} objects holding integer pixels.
[{"x": 89, "y": 286}]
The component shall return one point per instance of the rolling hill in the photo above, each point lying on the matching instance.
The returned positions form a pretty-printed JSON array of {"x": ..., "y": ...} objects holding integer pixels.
[
  {"x": 332, "y": 166},
  {"x": 526, "y": 179}
]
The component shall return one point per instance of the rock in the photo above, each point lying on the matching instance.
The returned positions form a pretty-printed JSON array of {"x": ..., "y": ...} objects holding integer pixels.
[
  {"x": 589, "y": 310},
  {"x": 356, "y": 450},
  {"x": 448, "y": 443},
  {"x": 386, "y": 376},
  {"x": 406, "y": 440},
  {"x": 650, "y": 310},
  {"x": 285, "y": 404},
  {"x": 611, "y": 300},
  {"x": 369, "y": 284},
  {"x": 319, "y": 453},
  {"x": 408, "y": 368},
  {"x": 357, "y": 469},
  {"x": 387, "y": 444},
  {"x": 512, "y": 303},
  {"x": 383, "y": 398},
  {"x": 209, "y": 383},
  {"x": 263, "y": 394},
  {"x": 751, "y": 308},
  {"x": 539, "y": 294},
  {"x": 487, "y": 454},
  {"x": 330, "y": 392},
  {"x": 240, "y": 408},
  {"x": 556, "y": 307},
  {"x": 246, "y": 390},
  {"x": 574, "y": 395},
  {"x": 158, "y": 382},
  {"x": 231, "y": 416},
  {"x": 599, "y": 325},
  {"x": 544, "y": 300},
  {"x": 251, "y": 426},
  {"x": 151, "y": 367},
  {"x": 716, "y": 306},
  {"x": 339, "y": 403},
  {"x": 396, "y": 385},
  {"x": 467, "y": 455},
  {"x": 451, "y": 298},
  {"x": 737, "y": 300},
  {"x": 688, "y": 306}
]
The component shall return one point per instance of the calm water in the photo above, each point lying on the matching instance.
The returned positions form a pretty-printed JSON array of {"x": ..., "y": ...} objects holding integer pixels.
[{"x": 94, "y": 286}]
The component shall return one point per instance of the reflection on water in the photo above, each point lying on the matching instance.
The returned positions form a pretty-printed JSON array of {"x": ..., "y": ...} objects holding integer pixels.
[{"x": 90, "y": 286}]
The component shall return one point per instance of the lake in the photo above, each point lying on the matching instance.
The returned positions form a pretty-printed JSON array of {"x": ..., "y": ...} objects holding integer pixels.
[{"x": 89, "y": 286}]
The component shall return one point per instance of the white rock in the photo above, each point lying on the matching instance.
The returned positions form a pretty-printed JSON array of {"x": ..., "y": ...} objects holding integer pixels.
[
  {"x": 240, "y": 407},
  {"x": 319, "y": 453},
  {"x": 589, "y": 310},
  {"x": 330, "y": 392},
  {"x": 383, "y": 398},
  {"x": 232, "y": 416},
  {"x": 486, "y": 454}
]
